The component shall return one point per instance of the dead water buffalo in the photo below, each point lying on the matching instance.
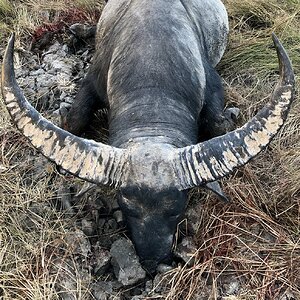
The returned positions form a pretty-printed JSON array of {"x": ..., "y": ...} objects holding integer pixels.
[{"x": 154, "y": 69}]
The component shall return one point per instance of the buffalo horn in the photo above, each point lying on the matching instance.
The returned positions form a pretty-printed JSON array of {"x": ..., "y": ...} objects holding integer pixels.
[
  {"x": 91, "y": 161},
  {"x": 215, "y": 158}
]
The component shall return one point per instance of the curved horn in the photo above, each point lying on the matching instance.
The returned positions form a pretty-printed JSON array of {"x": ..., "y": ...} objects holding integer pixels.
[
  {"x": 215, "y": 158},
  {"x": 91, "y": 161}
]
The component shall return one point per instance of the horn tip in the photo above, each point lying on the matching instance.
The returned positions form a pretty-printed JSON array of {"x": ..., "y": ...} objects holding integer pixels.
[
  {"x": 274, "y": 37},
  {"x": 285, "y": 66},
  {"x": 277, "y": 42},
  {"x": 8, "y": 64},
  {"x": 11, "y": 40}
]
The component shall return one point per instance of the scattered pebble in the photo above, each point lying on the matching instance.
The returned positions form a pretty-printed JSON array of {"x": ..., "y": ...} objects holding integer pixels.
[
  {"x": 102, "y": 259},
  {"x": 186, "y": 250},
  {"x": 78, "y": 243}
]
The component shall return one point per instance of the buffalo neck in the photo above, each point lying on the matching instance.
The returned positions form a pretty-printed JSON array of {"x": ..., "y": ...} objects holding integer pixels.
[{"x": 154, "y": 114}]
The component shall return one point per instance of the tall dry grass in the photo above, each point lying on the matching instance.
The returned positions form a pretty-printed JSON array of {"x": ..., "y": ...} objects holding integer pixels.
[{"x": 256, "y": 237}]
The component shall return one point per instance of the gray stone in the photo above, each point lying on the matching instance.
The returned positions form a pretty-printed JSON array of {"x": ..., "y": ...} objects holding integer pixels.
[
  {"x": 27, "y": 83},
  {"x": 160, "y": 284},
  {"x": 125, "y": 262},
  {"x": 102, "y": 260},
  {"x": 162, "y": 268},
  {"x": 105, "y": 290},
  {"x": 102, "y": 290},
  {"x": 69, "y": 100},
  {"x": 148, "y": 286},
  {"x": 231, "y": 288},
  {"x": 186, "y": 250},
  {"x": 78, "y": 243},
  {"x": 64, "y": 105},
  {"x": 112, "y": 203},
  {"x": 88, "y": 227},
  {"x": 112, "y": 225},
  {"x": 116, "y": 297},
  {"x": 37, "y": 72},
  {"x": 68, "y": 275},
  {"x": 118, "y": 216},
  {"x": 194, "y": 222},
  {"x": 204, "y": 292},
  {"x": 83, "y": 31},
  {"x": 64, "y": 197}
]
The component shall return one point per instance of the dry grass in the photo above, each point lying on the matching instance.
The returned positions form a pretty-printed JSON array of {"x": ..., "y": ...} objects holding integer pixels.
[
  {"x": 256, "y": 237},
  {"x": 24, "y": 17}
]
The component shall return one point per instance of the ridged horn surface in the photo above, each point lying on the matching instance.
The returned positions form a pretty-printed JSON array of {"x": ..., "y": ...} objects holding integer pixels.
[
  {"x": 91, "y": 161},
  {"x": 215, "y": 158}
]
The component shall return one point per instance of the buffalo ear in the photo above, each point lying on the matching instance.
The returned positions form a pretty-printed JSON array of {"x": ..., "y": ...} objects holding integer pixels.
[
  {"x": 215, "y": 187},
  {"x": 63, "y": 112}
]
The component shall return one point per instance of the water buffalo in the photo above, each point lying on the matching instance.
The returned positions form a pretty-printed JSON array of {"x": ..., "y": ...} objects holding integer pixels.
[{"x": 154, "y": 69}]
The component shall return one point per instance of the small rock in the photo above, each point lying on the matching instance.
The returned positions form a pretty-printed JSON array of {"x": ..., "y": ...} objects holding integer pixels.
[
  {"x": 111, "y": 204},
  {"x": 83, "y": 31},
  {"x": 138, "y": 297},
  {"x": 64, "y": 105},
  {"x": 101, "y": 224},
  {"x": 108, "y": 288},
  {"x": 186, "y": 250},
  {"x": 112, "y": 225},
  {"x": 116, "y": 297},
  {"x": 162, "y": 268},
  {"x": 125, "y": 262},
  {"x": 160, "y": 284},
  {"x": 118, "y": 216},
  {"x": 27, "y": 82},
  {"x": 102, "y": 260},
  {"x": 203, "y": 292},
  {"x": 101, "y": 290},
  {"x": 232, "y": 288},
  {"x": 45, "y": 81},
  {"x": 64, "y": 198},
  {"x": 37, "y": 72},
  {"x": 88, "y": 227},
  {"x": 86, "y": 56},
  {"x": 192, "y": 215},
  {"x": 78, "y": 243},
  {"x": 148, "y": 286},
  {"x": 69, "y": 100},
  {"x": 68, "y": 275}
]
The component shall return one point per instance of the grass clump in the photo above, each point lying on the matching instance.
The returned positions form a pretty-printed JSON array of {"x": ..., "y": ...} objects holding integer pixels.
[
  {"x": 254, "y": 238},
  {"x": 252, "y": 23},
  {"x": 7, "y": 14},
  {"x": 6, "y": 9}
]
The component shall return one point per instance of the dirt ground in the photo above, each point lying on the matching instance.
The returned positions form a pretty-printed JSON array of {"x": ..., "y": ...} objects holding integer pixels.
[{"x": 61, "y": 240}]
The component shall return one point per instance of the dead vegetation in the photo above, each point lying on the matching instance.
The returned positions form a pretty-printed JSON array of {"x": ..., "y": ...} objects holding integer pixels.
[{"x": 255, "y": 238}]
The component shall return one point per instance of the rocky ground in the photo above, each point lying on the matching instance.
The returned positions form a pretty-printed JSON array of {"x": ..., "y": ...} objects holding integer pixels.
[{"x": 95, "y": 248}]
